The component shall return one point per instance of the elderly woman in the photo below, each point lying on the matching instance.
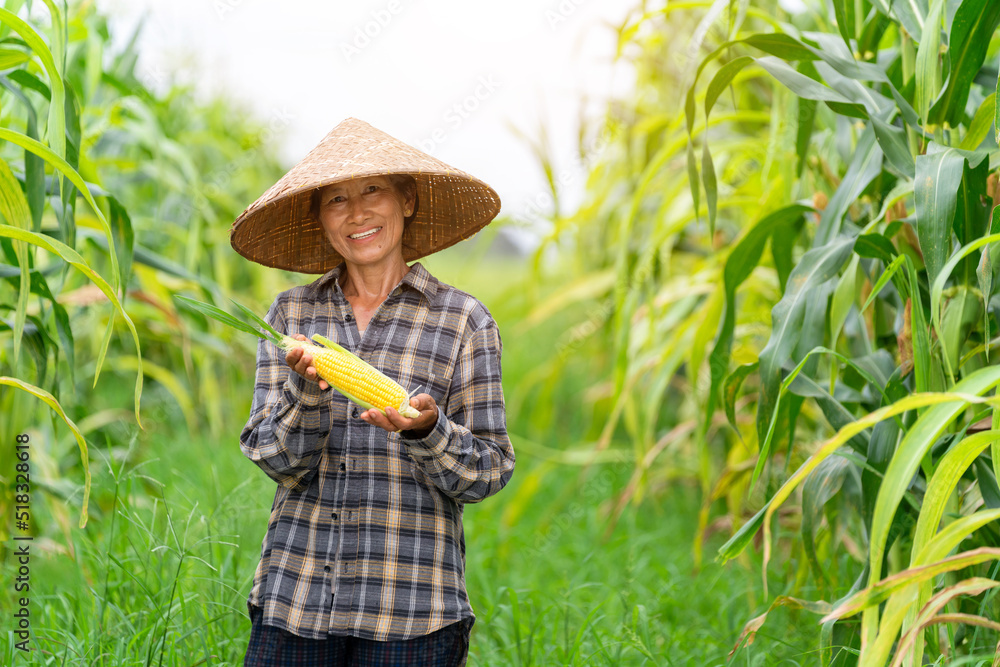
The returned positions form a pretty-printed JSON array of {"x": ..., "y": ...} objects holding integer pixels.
[{"x": 364, "y": 555}]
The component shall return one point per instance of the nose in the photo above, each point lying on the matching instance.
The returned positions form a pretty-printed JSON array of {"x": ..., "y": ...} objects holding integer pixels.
[{"x": 355, "y": 209}]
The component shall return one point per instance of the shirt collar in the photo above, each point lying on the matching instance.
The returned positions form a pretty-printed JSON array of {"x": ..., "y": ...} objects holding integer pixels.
[{"x": 417, "y": 277}]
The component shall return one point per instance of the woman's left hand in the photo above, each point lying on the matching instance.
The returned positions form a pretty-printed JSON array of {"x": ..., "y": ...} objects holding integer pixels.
[{"x": 394, "y": 422}]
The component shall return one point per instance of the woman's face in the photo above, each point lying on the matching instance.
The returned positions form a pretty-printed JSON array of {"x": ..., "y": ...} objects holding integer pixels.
[{"x": 363, "y": 218}]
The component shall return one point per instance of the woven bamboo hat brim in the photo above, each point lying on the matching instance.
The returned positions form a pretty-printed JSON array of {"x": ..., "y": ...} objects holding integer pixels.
[{"x": 279, "y": 229}]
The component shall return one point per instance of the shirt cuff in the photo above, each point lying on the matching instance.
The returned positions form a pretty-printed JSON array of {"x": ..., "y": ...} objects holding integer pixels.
[
  {"x": 305, "y": 392},
  {"x": 433, "y": 443}
]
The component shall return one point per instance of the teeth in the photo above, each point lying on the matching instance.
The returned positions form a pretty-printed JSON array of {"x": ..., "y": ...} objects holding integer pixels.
[{"x": 364, "y": 235}]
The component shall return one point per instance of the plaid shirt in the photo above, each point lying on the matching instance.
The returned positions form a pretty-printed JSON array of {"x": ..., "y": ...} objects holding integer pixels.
[{"x": 365, "y": 535}]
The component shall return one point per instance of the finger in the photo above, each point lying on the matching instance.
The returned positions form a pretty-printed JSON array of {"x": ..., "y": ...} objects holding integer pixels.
[
  {"x": 398, "y": 421},
  {"x": 292, "y": 356},
  {"x": 305, "y": 363},
  {"x": 376, "y": 418},
  {"x": 424, "y": 403}
]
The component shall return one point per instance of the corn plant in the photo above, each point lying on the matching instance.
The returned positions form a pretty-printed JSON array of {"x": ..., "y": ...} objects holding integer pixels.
[
  {"x": 887, "y": 318},
  {"x": 40, "y": 165},
  {"x": 112, "y": 197},
  {"x": 636, "y": 304}
]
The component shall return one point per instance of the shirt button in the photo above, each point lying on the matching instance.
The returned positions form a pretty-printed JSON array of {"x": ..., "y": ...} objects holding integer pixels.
[
  {"x": 354, "y": 413},
  {"x": 343, "y": 467},
  {"x": 349, "y": 318},
  {"x": 326, "y": 569},
  {"x": 334, "y": 515}
]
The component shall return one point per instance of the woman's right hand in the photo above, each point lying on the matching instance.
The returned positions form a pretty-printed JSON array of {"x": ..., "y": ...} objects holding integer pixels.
[{"x": 300, "y": 361}]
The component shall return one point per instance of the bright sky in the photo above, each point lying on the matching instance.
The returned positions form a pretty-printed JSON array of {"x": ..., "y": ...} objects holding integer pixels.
[{"x": 453, "y": 77}]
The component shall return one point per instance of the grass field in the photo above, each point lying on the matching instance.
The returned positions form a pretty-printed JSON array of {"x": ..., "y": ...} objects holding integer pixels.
[{"x": 161, "y": 574}]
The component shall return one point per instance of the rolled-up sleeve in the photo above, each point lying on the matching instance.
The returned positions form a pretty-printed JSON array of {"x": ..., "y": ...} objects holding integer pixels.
[
  {"x": 468, "y": 454},
  {"x": 289, "y": 422}
]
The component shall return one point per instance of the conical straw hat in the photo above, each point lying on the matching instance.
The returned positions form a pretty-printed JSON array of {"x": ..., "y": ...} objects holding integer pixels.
[{"x": 279, "y": 229}]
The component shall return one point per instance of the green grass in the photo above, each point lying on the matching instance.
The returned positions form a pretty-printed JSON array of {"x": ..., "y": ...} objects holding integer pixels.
[{"x": 161, "y": 573}]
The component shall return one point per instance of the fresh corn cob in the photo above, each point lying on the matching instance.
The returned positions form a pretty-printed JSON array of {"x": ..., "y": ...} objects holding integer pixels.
[
  {"x": 357, "y": 379},
  {"x": 343, "y": 370}
]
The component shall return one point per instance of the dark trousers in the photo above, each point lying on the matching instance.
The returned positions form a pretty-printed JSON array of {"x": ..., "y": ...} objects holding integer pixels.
[{"x": 273, "y": 647}]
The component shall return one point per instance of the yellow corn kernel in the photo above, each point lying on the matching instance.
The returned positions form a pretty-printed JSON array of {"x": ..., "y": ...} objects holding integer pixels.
[{"x": 358, "y": 380}]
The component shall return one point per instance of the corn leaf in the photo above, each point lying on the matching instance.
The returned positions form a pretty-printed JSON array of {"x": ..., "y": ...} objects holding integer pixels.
[
  {"x": 883, "y": 280},
  {"x": 742, "y": 260},
  {"x": 893, "y": 142},
  {"x": 977, "y": 382},
  {"x": 972, "y": 28},
  {"x": 843, "y": 299},
  {"x": 939, "y": 176},
  {"x": 918, "y": 328},
  {"x": 820, "y": 486},
  {"x": 121, "y": 229},
  {"x": 912, "y": 14},
  {"x": 754, "y": 625},
  {"x": 226, "y": 318},
  {"x": 981, "y": 123},
  {"x": 837, "y": 415},
  {"x": 848, "y": 20},
  {"x": 988, "y": 487},
  {"x": 937, "y": 288},
  {"x": 51, "y": 401},
  {"x": 40, "y": 287},
  {"x": 972, "y": 216},
  {"x": 72, "y": 257},
  {"x": 29, "y": 81},
  {"x": 973, "y": 586},
  {"x": 907, "y": 600},
  {"x": 258, "y": 320},
  {"x": 57, "y": 112},
  {"x": 880, "y": 591},
  {"x": 731, "y": 390},
  {"x": 783, "y": 251},
  {"x": 62, "y": 166},
  {"x": 929, "y": 61},
  {"x": 815, "y": 268},
  {"x": 14, "y": 209},
  {"x": 804, "y": 131},
  {"x": 865, "y": 166},
  {"x": 877, "y": 246},
  {"x": 722, "y": 79},
  {"x": 692, "y": 169},
  {"x": 904, "y": 464},
  {"x": 996, "y": 118},
  {"x": 941, "y": 486},
  {"x": 742, "y": 538},
  {"x": 11, "y": 58},
  {"x": 34, "y": 166},
  {"x": 710, "y": 181},
  {"x": 984, "y": 275},
  {"x": 952, "y": 535},
  {"x": 910, "y": 452},
  {"x": 802, "y": 85},
  {"x": 881, "y": 447},
  {"x": 844, "y": 74}
]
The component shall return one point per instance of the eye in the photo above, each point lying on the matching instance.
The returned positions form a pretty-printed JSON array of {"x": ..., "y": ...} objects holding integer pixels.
[{"x": 372, "y": 188}]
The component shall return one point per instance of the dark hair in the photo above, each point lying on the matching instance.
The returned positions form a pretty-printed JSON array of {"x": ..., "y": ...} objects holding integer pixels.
[{"x": 404, "y": 184}]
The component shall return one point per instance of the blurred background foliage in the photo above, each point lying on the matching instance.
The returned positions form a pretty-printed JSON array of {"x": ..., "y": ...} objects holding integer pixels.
[{"x": 771, "y": 322}]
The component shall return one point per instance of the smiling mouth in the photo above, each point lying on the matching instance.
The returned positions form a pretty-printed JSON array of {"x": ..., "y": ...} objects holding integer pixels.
[{"x": 364, "y": 235}]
